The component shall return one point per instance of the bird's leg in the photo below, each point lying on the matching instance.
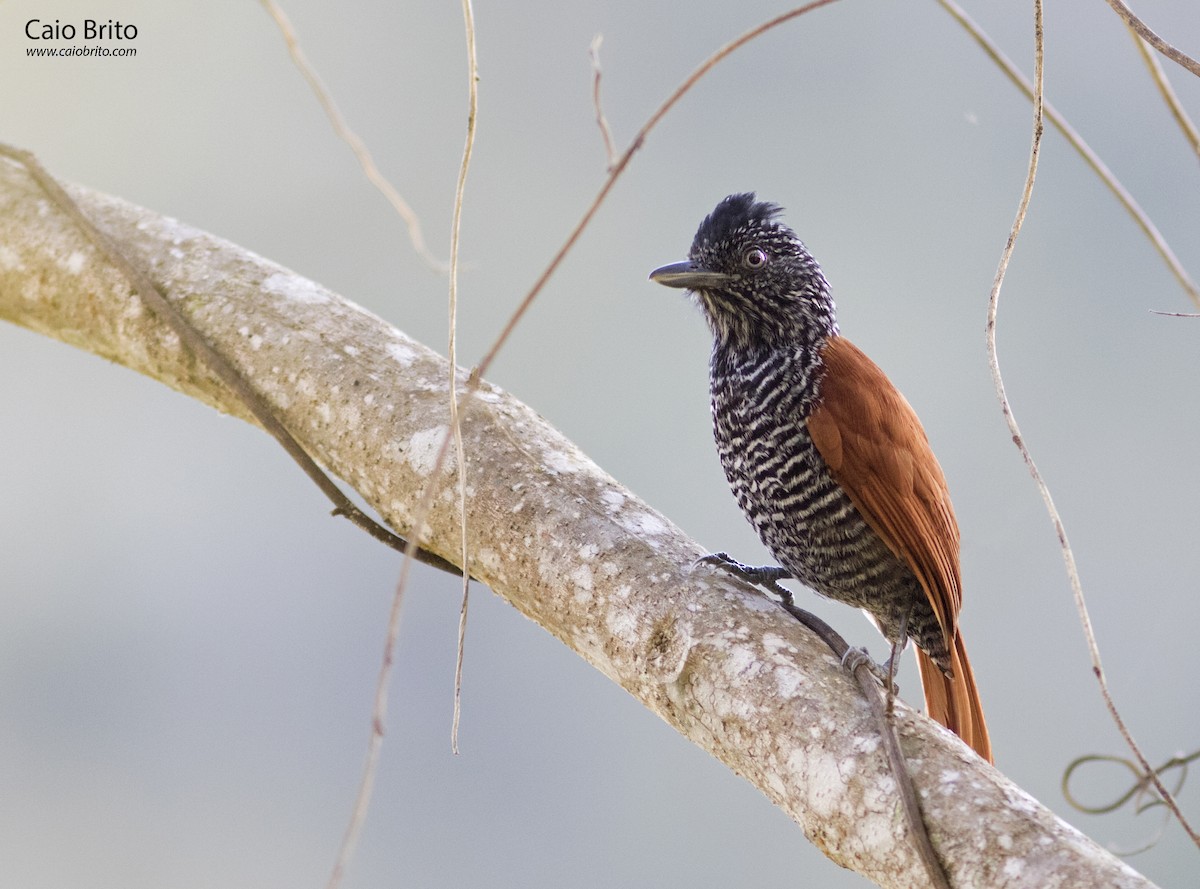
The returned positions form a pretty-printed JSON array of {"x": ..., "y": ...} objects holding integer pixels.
[
  {"x": 765, "y": 576},
  {"x": 898, "y": 645}
]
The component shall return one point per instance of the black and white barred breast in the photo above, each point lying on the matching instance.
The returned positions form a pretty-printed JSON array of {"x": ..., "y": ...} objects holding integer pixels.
[{"x": 761, "y": 398}]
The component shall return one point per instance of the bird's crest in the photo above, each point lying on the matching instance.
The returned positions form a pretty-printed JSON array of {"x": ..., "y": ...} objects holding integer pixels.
[{"x": 734, "y": 216}]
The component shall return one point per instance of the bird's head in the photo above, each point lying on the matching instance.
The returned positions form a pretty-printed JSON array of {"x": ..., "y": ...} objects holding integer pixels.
[{"x": 754, "y": 279}]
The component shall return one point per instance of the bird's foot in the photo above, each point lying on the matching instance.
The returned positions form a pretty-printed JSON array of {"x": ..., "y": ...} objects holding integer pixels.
[
  {"x": 856, "y": 657},
  {"x": 765, "y": 576}
]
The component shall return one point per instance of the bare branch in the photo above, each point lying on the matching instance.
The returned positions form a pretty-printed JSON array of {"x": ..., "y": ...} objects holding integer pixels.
[
  {"x": 1143, "y": 30},
  {"x": 1168, "y": 93},
  {"x": 610, "y": 148},
  {"x": 550, "y": 531}
]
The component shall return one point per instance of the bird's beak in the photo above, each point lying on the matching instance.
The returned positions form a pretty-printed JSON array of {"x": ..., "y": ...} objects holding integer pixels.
[{"x": 690, "y": 276}]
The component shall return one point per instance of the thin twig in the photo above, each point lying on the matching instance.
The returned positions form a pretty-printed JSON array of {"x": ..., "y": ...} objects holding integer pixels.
[
  {"x": 1168, "y": 93},
  {"x": 1140, "y": 780},
  {"x": 1018, "y": 439},
  {"x": 366, "y": 783},
  {"x": 1143, "y": 30},
  {"x": 622, "y": 162},
  {"x": 610, "y": 149},
  {"x": 221, "y": 366},
  {"x": 1077, "y": 142},
  {"x": 379, "y": 711},
  {"x": 1137, "y": 792},
  {"x": 351, "y": 138},
  {"x": 455, "y": 418}
]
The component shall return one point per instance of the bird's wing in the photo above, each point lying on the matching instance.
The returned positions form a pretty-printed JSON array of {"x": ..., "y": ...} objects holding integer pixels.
[{"x": 876, "y": 449}]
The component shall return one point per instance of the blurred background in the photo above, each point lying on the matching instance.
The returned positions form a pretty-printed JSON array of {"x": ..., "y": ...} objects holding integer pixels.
[{"x": 189, "y": 643}]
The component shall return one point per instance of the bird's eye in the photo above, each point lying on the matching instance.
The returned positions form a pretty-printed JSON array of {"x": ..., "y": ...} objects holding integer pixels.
[{"x": 754, "y": 258}]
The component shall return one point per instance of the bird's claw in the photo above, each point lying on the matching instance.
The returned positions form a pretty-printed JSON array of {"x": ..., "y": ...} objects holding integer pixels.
[
  {"x": 859, "y": 657},
  {"x": 765, "y": 576}
]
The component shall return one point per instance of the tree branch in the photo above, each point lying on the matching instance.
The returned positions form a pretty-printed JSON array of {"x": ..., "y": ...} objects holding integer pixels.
[{"x": 562, "y": 541}]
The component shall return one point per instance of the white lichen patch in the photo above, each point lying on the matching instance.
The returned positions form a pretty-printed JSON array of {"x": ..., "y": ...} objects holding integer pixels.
[
  {"x": 613, "y": 500},
  {"x": 950, "y": 777},
  {"x": 351, "y": 417},
  {"x": 402, "y": 353},
  {"x": 589, "y": 551},
  {"x": 875, "y": 830},
  {"x": 641, "y": 523},
  {"x": 75, "y": 262},
  {"x": 622, "y": 625},
  {"x": 742, "y": 663},
  {"x": 169, "y": 340},
  {"x": 776, "y": 785},
  {"x": 296, "y": 288},
  {"x": 10, "y": 259},
  {"x": 789, "y": 679},
  {"x": 565, "y": 462},
  {"x": 1014, "y": 868},
  {"x": 489, "y": 559},
  {"x": 421, "y": 453},
  {"x": 168, "y": 229},
  {"x": 583, "y": 578},
  {"x": 826, "y": 786},
  {"x": 255, "y": 339},
  {"x": 487, "y": 395},
  {"x": 753, "y": 603},
  {"x": 776, "y": 645},
  {"x": 133, "y": 307}
]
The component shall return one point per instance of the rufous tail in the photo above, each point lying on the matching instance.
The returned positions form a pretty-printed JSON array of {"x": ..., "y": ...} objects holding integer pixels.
[{"x": 954, "y": 701}]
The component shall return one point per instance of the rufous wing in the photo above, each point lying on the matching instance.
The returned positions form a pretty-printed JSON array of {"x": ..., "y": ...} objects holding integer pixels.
[{"x": 876, "y": 449}]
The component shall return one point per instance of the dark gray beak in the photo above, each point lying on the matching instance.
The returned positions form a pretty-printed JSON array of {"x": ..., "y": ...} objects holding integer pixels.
[{"x": 690, "y": 276}]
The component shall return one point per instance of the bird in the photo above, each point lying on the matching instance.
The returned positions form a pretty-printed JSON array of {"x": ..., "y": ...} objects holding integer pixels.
[{"x": 825, "y": 457}]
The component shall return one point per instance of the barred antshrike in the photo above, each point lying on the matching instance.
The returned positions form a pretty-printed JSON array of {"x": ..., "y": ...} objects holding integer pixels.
[{"x": 824, "y": 455}]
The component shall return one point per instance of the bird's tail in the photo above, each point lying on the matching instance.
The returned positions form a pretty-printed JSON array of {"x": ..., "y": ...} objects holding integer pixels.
[{"x": 954, "y": 700}]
